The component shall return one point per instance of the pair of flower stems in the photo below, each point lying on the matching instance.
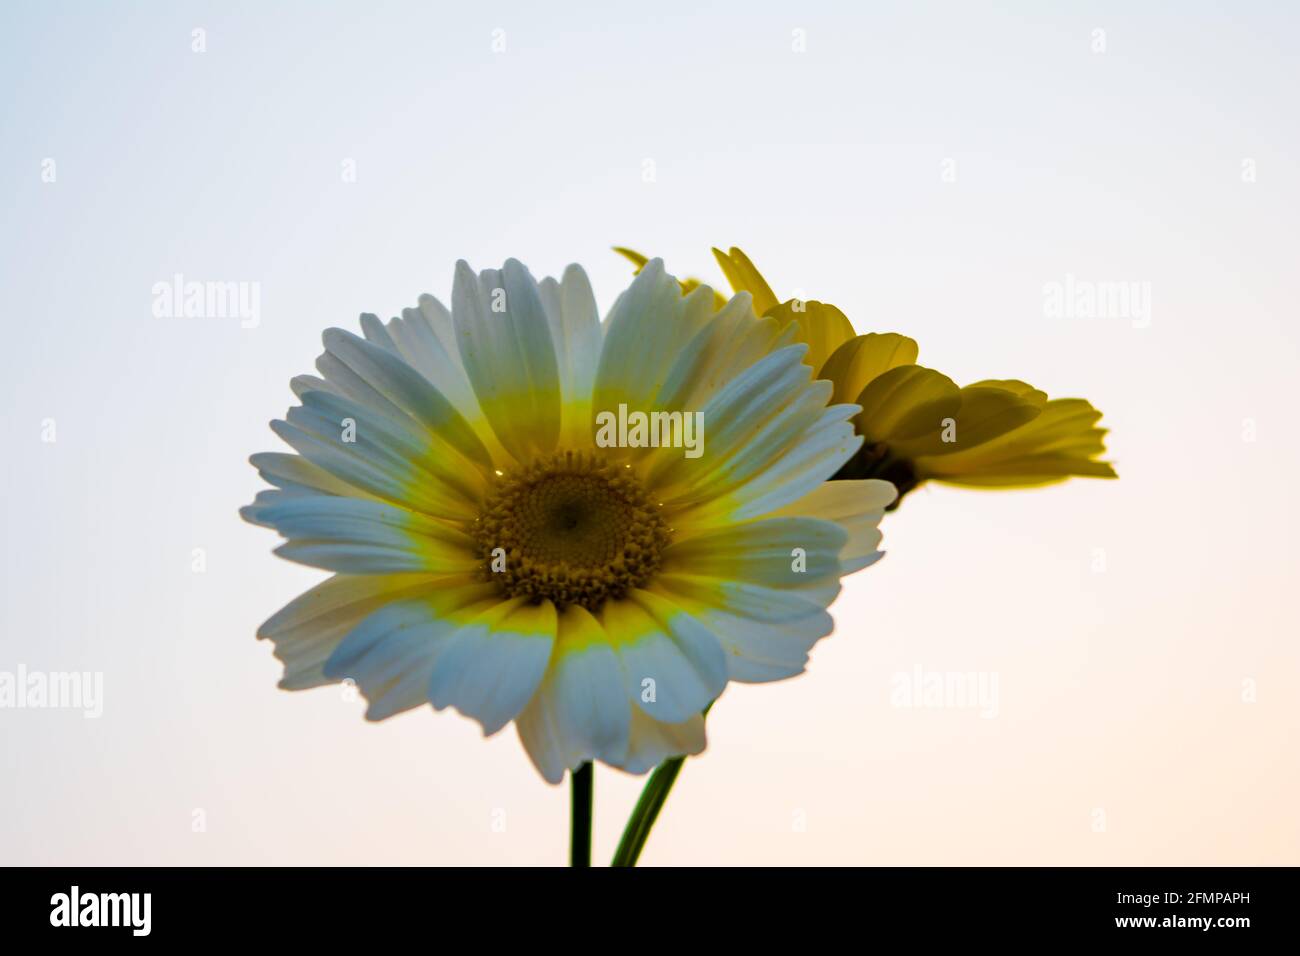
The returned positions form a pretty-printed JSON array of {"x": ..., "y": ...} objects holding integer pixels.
[
  {"x": 638, "y": 825},
  {"x": 643, "y": 818}
]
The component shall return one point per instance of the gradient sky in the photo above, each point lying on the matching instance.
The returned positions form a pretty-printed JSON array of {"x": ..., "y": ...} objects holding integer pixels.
[{"x": 930, "y": 168}]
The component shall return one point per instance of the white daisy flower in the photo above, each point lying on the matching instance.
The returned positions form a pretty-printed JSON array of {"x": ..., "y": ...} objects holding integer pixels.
[{"x": 493, "y": 553}]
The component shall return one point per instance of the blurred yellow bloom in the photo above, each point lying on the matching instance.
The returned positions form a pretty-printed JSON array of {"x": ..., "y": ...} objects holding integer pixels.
[{"x": 917, "y": 423}]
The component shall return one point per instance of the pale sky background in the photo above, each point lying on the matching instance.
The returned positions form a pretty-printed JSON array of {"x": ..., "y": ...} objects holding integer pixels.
[{"x": 1130, "y": 624}]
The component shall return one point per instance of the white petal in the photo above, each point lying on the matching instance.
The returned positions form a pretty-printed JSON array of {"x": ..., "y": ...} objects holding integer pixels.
[
  {"x": 644, "y": 333},
  {"x": 308, "y": 629},
  {"x": 364, "y": 467},
  {"x": 361, "y": 536},
  {"x": 509, "y": 356},
  {"x": 391, "y": 653},
  {"x": 819, "y": 453},
  {"x": 449, "y": 485},
  {"x": 293, "y": 472},
  {"x": 672, "y": 667},
  {"x": 375, "y": 332},
  {"x": 651, "y": 742},
  {"x": 834, "y": 500},
  {"x": 784, "y": 552},
  {"x": 575, "y": 329},
  {"x": 856, "y": 506},
  {"x": 749, "y": 425},
  {"x": 779, "y": 605},
  {"x": 407, "y": 390},
  {"x": 581, "y": 711},
  {"x": 491, "y": 667},
  {"x": 728, "y": 344},
  {"x": 757, "y": 647},
  {"x": 426, "y": 340}
]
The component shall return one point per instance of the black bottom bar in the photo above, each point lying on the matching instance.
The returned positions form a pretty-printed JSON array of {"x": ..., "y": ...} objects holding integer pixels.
[{"x": 1171, "y": 906}]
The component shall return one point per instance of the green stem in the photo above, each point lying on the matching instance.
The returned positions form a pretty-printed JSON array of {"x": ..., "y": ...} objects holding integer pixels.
[
  {"x": 647, "y": 808},
  {"x": 580, "y": 819},
  {"x": 646, "y": 812}
]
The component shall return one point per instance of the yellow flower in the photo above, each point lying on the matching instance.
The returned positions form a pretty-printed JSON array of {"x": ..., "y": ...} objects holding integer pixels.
[{"x": 918, "y": 425}]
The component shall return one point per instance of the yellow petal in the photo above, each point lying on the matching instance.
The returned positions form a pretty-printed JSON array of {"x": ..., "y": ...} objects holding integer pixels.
[
  {"x": 859, "y": 360},
  {"x": 742, "y": 275},
  {"x": 1023, "y": 389},
  {"x": 635, "y": 257},
  {"x": 1063, "y": 440},
  {"x": 908, "y": 402},
  {"x": 983, "y": 414},
  {"x": 822, "y": 326}
]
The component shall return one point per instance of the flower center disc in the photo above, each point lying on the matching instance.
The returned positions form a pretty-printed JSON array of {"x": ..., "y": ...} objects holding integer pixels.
[{"x": 572, "y": 529}]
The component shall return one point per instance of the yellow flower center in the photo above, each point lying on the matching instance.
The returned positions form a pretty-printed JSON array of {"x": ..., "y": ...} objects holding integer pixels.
[{"x": 573, "y": 529}]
